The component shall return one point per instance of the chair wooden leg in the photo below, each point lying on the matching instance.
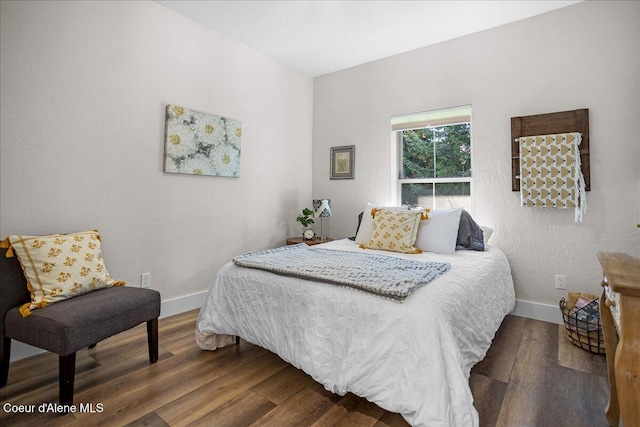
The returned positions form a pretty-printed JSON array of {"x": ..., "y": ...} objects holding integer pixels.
[
  {"x": 237, "y": 339},
  {"x": 152, "y": 339},
  {"x": 5, "y": 358},
  {"x": 67, "y": 365}
]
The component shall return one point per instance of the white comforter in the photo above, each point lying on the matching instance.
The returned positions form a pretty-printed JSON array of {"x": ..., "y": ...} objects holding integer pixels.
[{"x": 412, "y": 358}]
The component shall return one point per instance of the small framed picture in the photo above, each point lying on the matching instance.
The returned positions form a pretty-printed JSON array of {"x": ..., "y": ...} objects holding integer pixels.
[{"x": 342, "y": 162}]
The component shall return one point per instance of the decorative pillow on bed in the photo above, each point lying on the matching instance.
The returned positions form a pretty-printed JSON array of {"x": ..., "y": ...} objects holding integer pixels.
[
  {"x": 440, "y": 233},
  {"x": 59, "y": 266},
  {"x": 395, "y": 230},
  {"x": 470, "y": 234},
  {"x": 486, "y": 234},
  {"x": 358, "y": 228},
  {"x": 365, "y": 227}
]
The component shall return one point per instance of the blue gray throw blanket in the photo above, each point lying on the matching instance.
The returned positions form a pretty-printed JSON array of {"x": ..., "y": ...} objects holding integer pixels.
[{"x": 386, "y": 276}]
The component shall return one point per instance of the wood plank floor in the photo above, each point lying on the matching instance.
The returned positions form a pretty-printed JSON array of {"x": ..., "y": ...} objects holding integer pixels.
[{"x": 532, "y": 376}]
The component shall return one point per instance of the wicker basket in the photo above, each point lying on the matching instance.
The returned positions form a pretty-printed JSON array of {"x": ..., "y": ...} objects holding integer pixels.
[{"x": 583, "y": 326}]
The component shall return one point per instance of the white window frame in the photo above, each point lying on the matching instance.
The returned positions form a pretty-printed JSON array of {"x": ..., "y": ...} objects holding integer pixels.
[{"x": 434, "y": 118}]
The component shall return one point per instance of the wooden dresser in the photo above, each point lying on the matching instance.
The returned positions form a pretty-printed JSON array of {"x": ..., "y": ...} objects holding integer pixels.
[{"x": 620, "y": 312}]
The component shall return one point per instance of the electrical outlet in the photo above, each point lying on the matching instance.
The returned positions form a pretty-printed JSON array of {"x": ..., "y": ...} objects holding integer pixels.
[
  {"x": 145, "y": 280},
  {"x": 561, "y": 281}
]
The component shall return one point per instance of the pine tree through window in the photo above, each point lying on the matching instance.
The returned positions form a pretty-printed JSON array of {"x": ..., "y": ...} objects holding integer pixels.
[{"x": 434, "y": 154}]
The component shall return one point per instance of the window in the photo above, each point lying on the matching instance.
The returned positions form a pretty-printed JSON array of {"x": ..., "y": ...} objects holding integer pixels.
[{"x": 434, "y": 158}]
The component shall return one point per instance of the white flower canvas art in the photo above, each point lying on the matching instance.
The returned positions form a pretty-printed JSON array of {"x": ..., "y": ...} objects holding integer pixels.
[{"x": 198, "y": 143}]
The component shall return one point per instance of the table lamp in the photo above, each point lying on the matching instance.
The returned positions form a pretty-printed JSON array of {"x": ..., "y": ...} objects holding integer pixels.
[{"x": 322, "y": 209}]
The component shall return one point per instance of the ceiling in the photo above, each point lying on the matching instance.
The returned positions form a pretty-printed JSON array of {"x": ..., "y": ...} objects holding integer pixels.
[{"x": 320, "y": 37}]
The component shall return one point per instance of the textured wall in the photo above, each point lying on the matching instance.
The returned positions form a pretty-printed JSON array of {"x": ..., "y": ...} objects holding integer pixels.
[
  {"x": 84, "y": 87},
  {"x": 582, "y": 56}
]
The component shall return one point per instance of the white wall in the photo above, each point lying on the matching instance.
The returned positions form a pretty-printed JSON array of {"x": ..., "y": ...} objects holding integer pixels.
[
  {"x": 582, "y": 56},
  {"x": 84, "y": 87}
]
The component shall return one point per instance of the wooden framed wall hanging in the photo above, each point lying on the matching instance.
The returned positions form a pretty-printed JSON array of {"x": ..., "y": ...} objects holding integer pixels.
[{"x": 546, "y": 124}]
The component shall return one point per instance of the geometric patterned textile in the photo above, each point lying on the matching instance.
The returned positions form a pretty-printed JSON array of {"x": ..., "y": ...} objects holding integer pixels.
[{"x": 550, "y": 173}]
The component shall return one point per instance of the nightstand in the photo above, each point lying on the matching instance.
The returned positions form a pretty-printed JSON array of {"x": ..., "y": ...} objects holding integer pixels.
[{"x": 296, "y": 240}]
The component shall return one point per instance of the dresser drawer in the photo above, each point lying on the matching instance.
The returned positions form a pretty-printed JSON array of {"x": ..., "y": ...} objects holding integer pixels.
[{"x": 613, "y": 302}]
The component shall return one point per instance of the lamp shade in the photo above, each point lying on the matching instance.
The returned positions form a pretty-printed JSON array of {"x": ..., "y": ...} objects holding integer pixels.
[{"x": 321, "y": 208}]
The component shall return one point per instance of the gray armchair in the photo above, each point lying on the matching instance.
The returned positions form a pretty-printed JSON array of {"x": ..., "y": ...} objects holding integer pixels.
[{"x": 70, "y": 325}]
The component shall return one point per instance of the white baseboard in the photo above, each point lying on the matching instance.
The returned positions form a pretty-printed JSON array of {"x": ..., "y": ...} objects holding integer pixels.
[
  {"x": 181, "y": 304},
  {"x": 538, "y": 311},
  {"x": 168, "y": 308},
  {"x": 20, "y": 350},
  {"x": 531, "y": 310}
]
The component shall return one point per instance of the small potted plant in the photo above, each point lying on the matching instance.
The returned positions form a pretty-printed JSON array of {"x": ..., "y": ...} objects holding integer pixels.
[{"x": 306, "y": 219}]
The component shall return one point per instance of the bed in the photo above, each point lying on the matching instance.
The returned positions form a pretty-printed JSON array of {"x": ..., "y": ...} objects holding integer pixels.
[{"x": 413, "y": 358}]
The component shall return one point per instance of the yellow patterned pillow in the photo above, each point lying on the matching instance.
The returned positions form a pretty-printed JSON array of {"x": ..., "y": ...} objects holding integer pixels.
[
  {"x": 59, "y": 266},
  {"x": 396, "y": 231}
]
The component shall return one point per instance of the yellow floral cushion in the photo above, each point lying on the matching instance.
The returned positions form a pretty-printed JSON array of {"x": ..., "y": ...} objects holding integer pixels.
[
  {"x": 395, "y": 231},
  {"x": 59, "y": 266}
]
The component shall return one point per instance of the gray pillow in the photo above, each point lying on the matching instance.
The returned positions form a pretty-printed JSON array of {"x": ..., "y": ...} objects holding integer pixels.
[
  {"x": 470, "y": 235},
  {"x": 358, "y": 228}
]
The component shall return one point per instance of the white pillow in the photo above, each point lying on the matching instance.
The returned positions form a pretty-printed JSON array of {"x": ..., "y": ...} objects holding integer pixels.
[
  {"x": 366, "y": 225},
  {"x": 486, "y": 233},
  {"x": 440, "y": 233}
]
